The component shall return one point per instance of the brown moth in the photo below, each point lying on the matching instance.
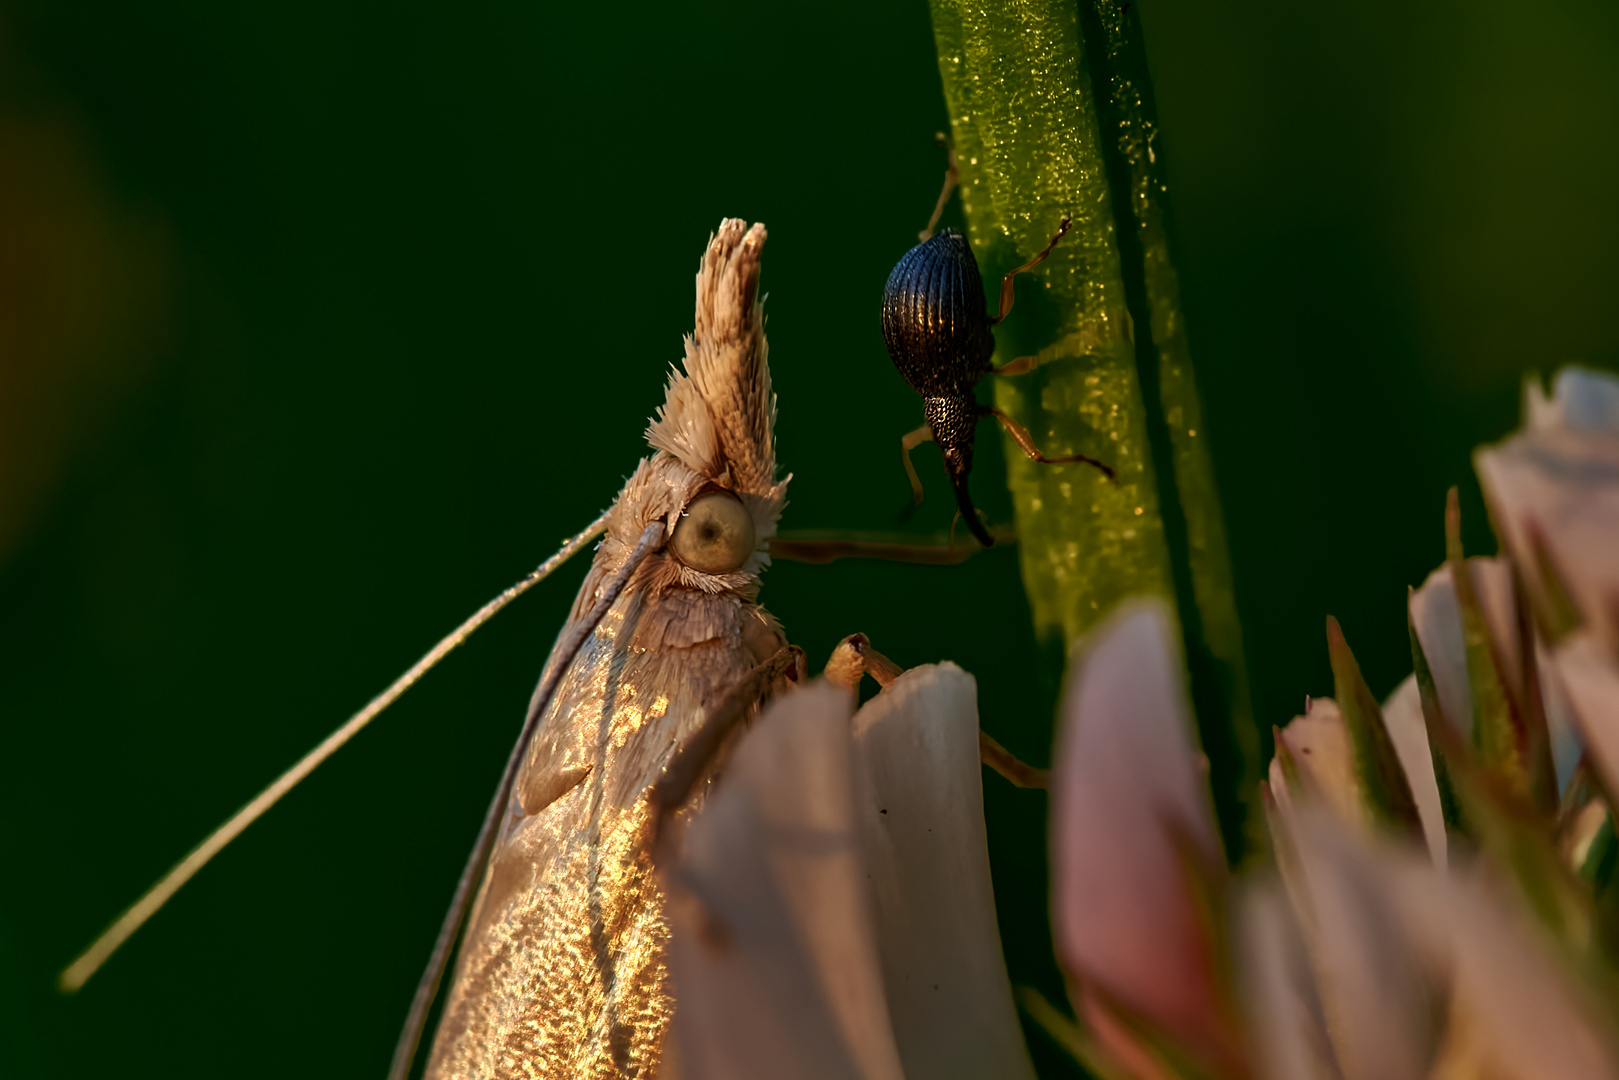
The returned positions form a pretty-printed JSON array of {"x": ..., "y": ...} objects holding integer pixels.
[
  {"x": 562, "y": 967},
  {"x": 561, "y": 971}
]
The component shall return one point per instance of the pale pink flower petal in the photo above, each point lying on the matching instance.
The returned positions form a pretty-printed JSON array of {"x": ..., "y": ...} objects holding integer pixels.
[
  {"x": 1517, "y": 1011},
  {"x": 1123, "y": 1045},
  {"x": 1276, "y": 783},
  {"x": 1396, "y": 943},
  {"x": 1402, "y": 716},
  {"x": 1319, "y": 744},
  {"x": 1286, "y": 1027},
  {"x": 1589, "y": 677},
  {"x": 1492, "y": 584},
  {"x": 1559, "y": 479},
  {"x": 1560, "y": 723},
  {"x": 1582, "y": 400},
  {"x": 1130, "y": 810},
  {"x": 1375, "y": 996},
  {"x": 1438, "y": 620},
  {"x": 773, "y": 952},
  {"x": 920, "y": 807}
]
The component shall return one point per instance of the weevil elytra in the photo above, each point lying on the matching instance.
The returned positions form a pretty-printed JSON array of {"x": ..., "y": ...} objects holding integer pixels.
[
  {"x": 560, "y": 971},
  {"x": 941, "y": 338}
]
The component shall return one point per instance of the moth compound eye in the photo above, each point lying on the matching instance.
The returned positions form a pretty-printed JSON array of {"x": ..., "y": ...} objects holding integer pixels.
[{"x": 715, "y": 534}]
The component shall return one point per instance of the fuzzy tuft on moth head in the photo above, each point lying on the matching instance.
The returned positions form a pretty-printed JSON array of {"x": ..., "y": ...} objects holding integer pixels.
[{"x": 714, "y": 433}]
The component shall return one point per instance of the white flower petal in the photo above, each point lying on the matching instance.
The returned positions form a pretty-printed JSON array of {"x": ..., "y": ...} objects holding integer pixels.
[
  {"x": 773, "y": 954},
  {"x": 1277, "y": 783},
  {"x": 1589, "y": 676},
  {"x": 1584, "y": 400},
  {"x": 1438, "y": 621},
  {"x": 1561, "y": 477},
  {"x": 1402, "y": 716},
  {"x": 1560, "y": 722},
  {"x": 920, "y": 807},
  {"x": 1319, "y": 744},
  {"x": 1519, "y": 1013},
  {"x": 1129, "y": 809},
  {"x": 1492, "y": 584},
  {"x": 1285, "y": 1028},
  {"x": 1391, "y": 933},
  {"x": 1375, "y": 995},
  {"x": 1439, "y": 627}
]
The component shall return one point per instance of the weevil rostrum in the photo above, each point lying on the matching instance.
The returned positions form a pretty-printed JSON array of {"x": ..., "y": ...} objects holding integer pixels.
[{"x": 561, "y": 963}]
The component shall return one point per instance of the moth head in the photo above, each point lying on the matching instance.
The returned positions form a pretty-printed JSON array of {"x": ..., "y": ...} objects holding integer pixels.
[
  {"x": 713, "y": 479},
  {"x": 715, "y": 470}
]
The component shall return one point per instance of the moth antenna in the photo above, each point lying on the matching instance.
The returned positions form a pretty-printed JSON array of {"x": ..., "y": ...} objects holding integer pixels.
[
  {"x": 566, "y": 650},
  {"x": 76, "y": 974}
]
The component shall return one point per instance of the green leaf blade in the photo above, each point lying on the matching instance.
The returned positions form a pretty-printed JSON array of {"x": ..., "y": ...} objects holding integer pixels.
[{"x": 1052, "y": 116}]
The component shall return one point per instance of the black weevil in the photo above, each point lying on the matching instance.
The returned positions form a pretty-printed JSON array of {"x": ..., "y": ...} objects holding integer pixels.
[{"x": 940, "y": 338}]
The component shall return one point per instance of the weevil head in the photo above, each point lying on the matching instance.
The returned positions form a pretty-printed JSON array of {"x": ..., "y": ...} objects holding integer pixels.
[
  {"x": 712, "y": 479},
  {"x": 935, "y": 324}
]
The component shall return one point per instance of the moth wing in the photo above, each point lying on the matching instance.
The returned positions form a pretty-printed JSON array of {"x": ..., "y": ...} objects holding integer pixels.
[
  {"x": 561, "y": 967},
  {"x": 532, "y": 904}
]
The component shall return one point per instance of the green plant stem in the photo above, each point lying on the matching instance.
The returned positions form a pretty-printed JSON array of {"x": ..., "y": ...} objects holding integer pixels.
[{"x": 1052, "y": 115}]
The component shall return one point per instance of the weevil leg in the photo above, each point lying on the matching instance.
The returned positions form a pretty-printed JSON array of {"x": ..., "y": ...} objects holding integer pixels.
[
  {"x": 952, "y": 177},
  {"x": 1021, "y": 436},
  {"x": 910, "y": 442},
  {"x": 722, "y": 716},
  {"x": 950, "y": 542},
  {"x": 1006, "y": 282},
  {"x": 1021, "y": 366},
  {"x": 814, "y": 546},
  {"x": 854, "y": 657},
  {"x": 1020, "y": 773}
]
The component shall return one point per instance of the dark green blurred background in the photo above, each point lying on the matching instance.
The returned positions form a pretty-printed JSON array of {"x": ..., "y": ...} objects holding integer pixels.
[{"x": 320, "y": 323}]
